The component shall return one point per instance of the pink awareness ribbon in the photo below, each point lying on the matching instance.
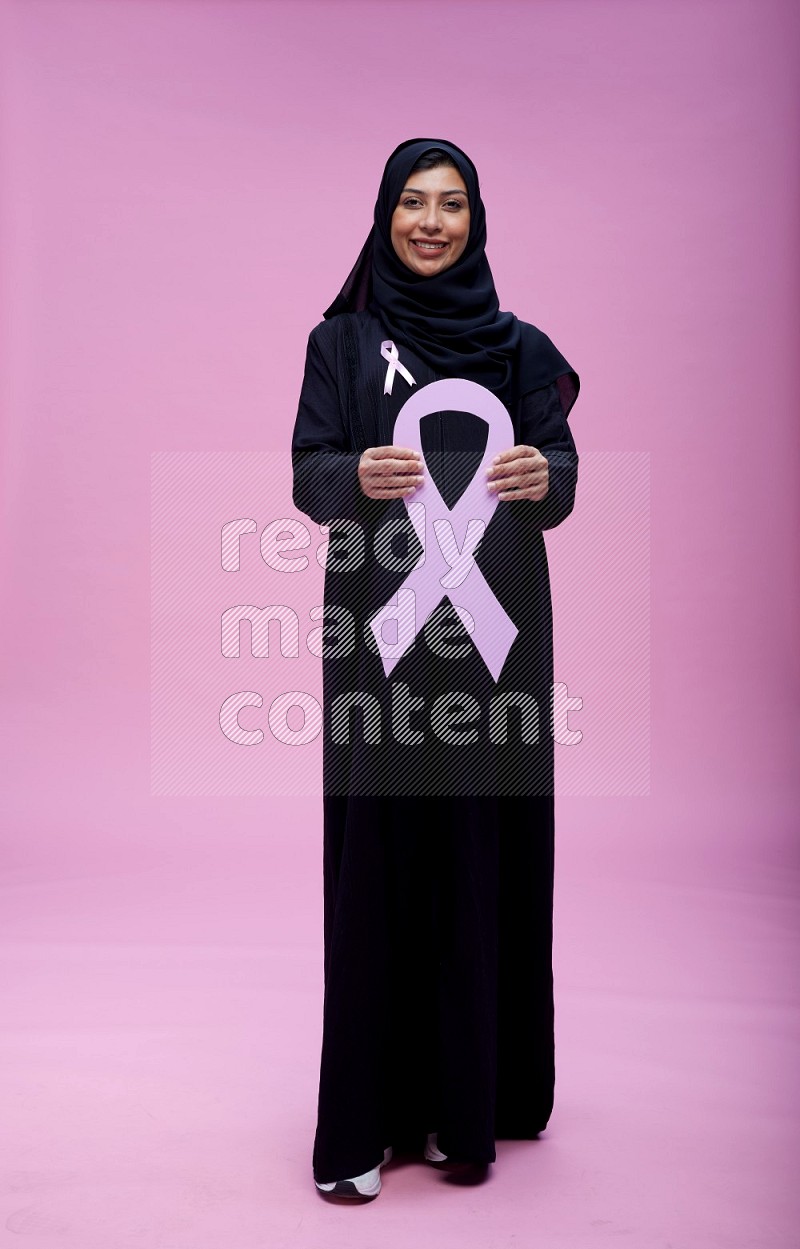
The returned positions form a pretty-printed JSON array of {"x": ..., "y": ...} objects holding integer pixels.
[
  {"x": 491, "y": 629},
  {"x": 390, "y": 353}
]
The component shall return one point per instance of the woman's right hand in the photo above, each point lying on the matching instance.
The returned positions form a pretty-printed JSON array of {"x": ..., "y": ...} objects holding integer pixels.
[{"x": 389, "y": 472}]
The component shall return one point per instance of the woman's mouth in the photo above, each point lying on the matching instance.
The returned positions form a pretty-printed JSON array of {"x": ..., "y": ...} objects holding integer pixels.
[{"x": 428, "y": 248}]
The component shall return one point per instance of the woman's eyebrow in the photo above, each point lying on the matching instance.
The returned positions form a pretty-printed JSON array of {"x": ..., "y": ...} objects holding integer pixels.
[{"x": 417, "y": 191}]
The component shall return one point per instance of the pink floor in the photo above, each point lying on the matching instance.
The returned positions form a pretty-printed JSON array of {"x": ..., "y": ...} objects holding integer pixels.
[{"x": 163, "y": 1023}]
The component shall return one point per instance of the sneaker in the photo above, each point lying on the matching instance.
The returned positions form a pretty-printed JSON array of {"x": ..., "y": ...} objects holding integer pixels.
[
  {"x": 436, "y": 1158},
  {"x": 366, "y": 1185},
  {"x": 432, "y": 1151}
]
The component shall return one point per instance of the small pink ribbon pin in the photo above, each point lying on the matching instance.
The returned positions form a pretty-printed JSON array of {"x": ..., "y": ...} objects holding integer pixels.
[
  {"x": 491, "y": 629},
  {"x": 391, "y": 354}
]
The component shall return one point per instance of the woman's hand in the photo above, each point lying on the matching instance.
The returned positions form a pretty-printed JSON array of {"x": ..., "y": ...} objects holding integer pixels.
[
  {"x": 519, "y": 473},
  {"x": 389, "y": 472}
]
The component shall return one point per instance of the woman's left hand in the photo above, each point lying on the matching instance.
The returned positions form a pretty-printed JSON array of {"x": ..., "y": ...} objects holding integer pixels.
[{"x": 519, "y": 473}]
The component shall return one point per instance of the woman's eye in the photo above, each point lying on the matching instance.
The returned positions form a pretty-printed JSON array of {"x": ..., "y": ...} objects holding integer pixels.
[{"x": 413, "y": 202}]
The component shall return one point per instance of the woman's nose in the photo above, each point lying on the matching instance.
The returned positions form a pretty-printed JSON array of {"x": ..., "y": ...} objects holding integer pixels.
[{"x": 430, "y": 219}]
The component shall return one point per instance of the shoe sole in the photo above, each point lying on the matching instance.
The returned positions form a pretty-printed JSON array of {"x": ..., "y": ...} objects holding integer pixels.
[{"x": 348, "y": 1189}]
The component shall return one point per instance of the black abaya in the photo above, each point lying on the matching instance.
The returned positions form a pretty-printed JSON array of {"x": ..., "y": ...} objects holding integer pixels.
[{"x": 437, "y": 863}]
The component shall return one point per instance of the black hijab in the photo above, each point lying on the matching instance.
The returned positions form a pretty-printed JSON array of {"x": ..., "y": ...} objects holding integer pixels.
[{"x": 451, "y": 320}]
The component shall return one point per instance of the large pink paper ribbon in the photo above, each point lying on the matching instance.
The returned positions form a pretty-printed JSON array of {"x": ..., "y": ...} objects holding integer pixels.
[{"x": 491, "y": 629}]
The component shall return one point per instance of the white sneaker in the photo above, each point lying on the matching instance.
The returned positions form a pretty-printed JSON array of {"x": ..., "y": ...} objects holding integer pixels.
[
  {"x": 366, "y": 1185},
  {"x": 432, "y": 1151},
  {"x": 436, "y": 1158}
]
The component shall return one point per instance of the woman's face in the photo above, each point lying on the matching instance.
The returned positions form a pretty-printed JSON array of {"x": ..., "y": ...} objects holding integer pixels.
[{"x": 430, "y": 225}]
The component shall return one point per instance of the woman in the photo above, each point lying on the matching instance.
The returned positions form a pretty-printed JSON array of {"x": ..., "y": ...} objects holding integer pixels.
[{"x": 438, "y": 784}]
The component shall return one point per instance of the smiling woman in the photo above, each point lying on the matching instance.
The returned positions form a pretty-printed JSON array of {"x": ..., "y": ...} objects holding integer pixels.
[
  {"x": 437, "y": 858},
  {"x": 430, "y": 224}
]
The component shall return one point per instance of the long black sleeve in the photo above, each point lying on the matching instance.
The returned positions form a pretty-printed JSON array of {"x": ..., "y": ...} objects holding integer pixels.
[
  {"x": 544, "y": 426},
  {"x": 326, "y": 485}
]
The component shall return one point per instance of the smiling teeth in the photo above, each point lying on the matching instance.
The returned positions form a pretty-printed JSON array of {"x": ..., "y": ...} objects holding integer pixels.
[{"x": 431, "y": 247}]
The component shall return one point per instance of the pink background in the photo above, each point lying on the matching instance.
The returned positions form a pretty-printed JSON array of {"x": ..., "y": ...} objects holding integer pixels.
[{"x": 186, "y": 186}]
